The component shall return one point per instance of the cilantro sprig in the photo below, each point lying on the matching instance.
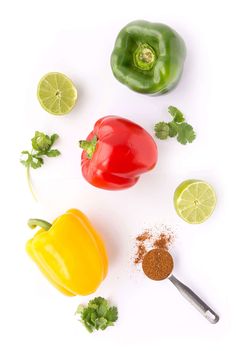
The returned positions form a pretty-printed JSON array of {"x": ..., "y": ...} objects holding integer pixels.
[
  {"x": 41, "y": 146},
  {"x": 98, "y": 314},
  {"x": 176, "y": 128}
]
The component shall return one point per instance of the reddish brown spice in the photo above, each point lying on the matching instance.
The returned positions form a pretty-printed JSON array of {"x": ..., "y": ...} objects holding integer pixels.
[
  {"x": 141, "y": 252},
  {"x": 163, "y": 241},
  {"x": 143, "y": 237},
  {"x": 157, "y": 264},
  {"x": 148, "y": 241}
]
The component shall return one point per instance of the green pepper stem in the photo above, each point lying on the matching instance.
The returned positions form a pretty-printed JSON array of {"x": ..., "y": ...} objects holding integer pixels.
[
  {"x": 89, "y": 146},
  {"x": 35, "y": 222},
  {"x": 30, "y": 183},
  {"x": 144, "y": 57}
]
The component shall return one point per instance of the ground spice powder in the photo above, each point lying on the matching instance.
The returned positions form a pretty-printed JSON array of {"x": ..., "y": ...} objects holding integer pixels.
[
  {"x": 163, "y": 241},
  {"x": 143, "y": 237},
  {"x": 157, "y": 264},
  {"x": 141, "y": 249},
  {"x": 148, "y": 241},
  {"x": 141, "y": 252}
]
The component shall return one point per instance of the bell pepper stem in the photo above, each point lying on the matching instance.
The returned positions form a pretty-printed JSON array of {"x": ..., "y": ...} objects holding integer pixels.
[
  {"x": 89, "y": 146},
  {"x": 144, "y": 57},
  {"x": 35, "y": 222}
]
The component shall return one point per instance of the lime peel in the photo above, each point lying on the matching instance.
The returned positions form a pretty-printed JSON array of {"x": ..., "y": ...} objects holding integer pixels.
[
  {"x": 194, "y": 201},
  {"x": 56, "y": 93}
]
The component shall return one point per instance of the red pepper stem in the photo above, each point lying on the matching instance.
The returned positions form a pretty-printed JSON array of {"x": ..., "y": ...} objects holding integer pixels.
[
  {"x": 35, "y": 222},
  {"x": 89, "y": 146}
]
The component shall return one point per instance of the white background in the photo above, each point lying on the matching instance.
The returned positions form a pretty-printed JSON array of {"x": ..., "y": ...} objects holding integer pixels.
[{"x": 77, "y": 37}]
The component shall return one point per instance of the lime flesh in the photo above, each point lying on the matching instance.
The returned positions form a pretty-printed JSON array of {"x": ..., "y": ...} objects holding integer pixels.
[
  {"x": 194, "y": 201},
  {"x": 56, "y": 93}
]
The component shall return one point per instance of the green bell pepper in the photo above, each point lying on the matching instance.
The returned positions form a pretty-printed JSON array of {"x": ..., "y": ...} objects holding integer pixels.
[{"x": 148, "y": 57}]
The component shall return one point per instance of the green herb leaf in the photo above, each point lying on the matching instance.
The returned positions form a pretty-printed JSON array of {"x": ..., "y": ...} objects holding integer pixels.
[
  {"x": 41, "y": 142},
  {"x": 26, "y": 158},
  {"x": 54, "y": 137},
  {"x": 89, "y": 327},
  {"x": 186, "y": 133},
  {"x": 173, "y": 129},
  {"x": 80, "y": 309},
  {"x": 41, "y": 146},
  {"x": 36, "y": 162},
  {"x": 101, "y": 323},
  {"x": 31, "y": 161},
  {"x": 162, "y": 130},
  {"x": 93, "y": 317},
  {"x": 102, "y": 310},
  {"x": 97, "y": 315},
  {"x": 112, "y": 314},
  {"x": 53, "y": 153},
  {"x": 176, "y": 114}
]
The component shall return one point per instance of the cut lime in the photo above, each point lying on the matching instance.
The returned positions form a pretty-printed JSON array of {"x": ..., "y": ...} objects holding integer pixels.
[
  {"x": 194, "y": 201},
  {"x": 56, "y": 93}
]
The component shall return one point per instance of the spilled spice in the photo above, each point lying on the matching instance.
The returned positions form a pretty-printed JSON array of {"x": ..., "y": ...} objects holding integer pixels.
[
  {"x": 143, "y": 237},
  {"x": 141, "y": 249},
  {"x": 163, "y": 241},
  {"x": 151, "y": 239},
  {"x": 141, "y": 252}
]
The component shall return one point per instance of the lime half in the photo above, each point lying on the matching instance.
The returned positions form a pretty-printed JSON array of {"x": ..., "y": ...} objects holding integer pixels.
[
  {"x": 194, "y": 201},
  {"x": 56, "y": 93}
]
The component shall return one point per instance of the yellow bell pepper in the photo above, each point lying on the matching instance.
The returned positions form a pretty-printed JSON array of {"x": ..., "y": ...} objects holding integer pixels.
[{"x": 69, "y": 252}]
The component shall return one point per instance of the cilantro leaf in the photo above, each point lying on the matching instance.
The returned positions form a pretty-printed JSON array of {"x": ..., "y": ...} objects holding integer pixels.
[
  {"x": 102, "y": 309},
  {"x": 93, "y": 317},
  {"x": 53, "y": 138},
  {"x": 86, "y": 320},
  {"x": 41, "y": 142},
  {"x": 112, "y": 314},
  {"x": 97, "y": 315},
  {"x": 88, "y": 327},
  {"x": 97, "y": 301},
  {"x": 161, "y": 130},
  {"x": 173, "y": 129},
  {"x": 32, "y": 160},
  {"x": 100, "y": 323},
  {"x": 41, "y": 146},
  {"x": 25, "y": 152},
  {"x": 176, "y": 114},
  {"x": 186, "y": 133},
  {"x": 25, "y": 158},
  {"x": 80, "y": 309},
  {"x": 52, "y": 153},
  {"x": 36, "y": 162}
]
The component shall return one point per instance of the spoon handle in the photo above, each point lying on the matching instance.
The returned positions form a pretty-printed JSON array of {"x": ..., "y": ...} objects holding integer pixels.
[{"x": 195, "y": 300}]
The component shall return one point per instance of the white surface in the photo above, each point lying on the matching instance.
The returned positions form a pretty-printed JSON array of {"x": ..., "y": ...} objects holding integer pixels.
[{"x": 77, "y": 38}]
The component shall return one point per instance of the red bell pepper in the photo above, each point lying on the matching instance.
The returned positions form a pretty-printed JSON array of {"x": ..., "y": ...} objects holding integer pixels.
[{"x": 116, "y": 153}]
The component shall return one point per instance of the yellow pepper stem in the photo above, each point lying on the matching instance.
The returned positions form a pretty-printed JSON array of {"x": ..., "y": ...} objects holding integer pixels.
[{"x": 35, "y": 222}]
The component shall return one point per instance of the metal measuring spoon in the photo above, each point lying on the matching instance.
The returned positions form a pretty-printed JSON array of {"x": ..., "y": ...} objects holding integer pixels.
[{"x": 155, "y": 270}]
